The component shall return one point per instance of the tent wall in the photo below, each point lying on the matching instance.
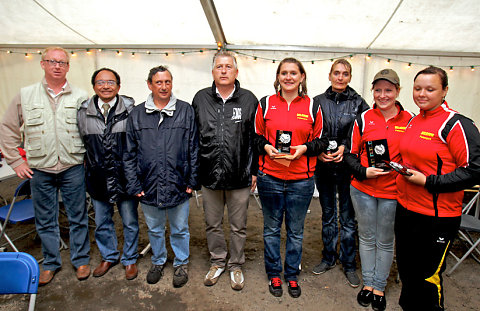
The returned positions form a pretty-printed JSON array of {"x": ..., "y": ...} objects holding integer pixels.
[{"x": 192, "y": 72}]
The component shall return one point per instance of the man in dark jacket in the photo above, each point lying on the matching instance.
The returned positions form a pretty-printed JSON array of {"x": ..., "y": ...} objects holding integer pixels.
[
  {"x": 340, "y": 105},
  {"x": 161, "y": 168},
  {"x": 225, "y": 115},
  {"x": 102, "y": 122}
]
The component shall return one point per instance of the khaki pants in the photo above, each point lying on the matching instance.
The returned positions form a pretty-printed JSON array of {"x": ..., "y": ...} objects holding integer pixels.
[{"x": 237, "y": 203}]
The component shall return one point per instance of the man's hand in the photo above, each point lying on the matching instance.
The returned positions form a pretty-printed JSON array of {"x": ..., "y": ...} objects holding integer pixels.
[
  {"x": 23, "y": 171},
  {"x": 254, "y": 183}
]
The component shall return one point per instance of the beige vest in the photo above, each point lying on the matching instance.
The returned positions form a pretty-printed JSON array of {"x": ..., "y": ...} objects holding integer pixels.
[{"x": 50, "y": 135}]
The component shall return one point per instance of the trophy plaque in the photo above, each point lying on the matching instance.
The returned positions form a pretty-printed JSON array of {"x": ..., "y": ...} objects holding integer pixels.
[
  {"x": 377, "y": 154},
  {"x": 283, "y": 141}
]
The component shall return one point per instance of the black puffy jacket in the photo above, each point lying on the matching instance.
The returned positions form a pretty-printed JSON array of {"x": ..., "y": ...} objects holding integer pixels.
[
  {"x": 105, "y": 145},
  {"x": 162, "y": 159},
  {"x": 227, "y": 134},
  {"x": 339, "y": 112}
]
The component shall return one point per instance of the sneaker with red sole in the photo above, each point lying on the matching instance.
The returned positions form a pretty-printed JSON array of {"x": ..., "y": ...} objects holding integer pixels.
[
  {"x": 275, "y": 287},
  {"x": 294, "y": 289}
]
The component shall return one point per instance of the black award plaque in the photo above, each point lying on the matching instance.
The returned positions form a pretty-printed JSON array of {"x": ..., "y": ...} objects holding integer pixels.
[
  {"x": 377, "y": 153},
  {"x": 283, "y": 141}
]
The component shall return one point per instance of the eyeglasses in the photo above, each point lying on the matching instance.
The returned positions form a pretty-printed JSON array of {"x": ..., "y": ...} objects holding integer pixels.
[
  {"x": 53, "y": 63},
  {"x": 107, "y": 82}
]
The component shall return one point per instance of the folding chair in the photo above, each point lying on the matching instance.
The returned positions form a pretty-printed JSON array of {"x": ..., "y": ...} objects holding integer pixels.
[
  {"x": 20, "y": 274},
  {"x": 470, "y": 223},
  {"x": 17, "y": 211}
]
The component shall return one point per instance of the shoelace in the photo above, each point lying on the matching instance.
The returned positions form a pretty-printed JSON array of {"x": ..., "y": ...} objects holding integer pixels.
[
  {"x": 276, "y": 282},
  {"x": 293, "y": 284}
]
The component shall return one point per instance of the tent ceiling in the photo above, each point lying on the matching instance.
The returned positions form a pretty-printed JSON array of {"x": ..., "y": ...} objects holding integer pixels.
[{"x": 436, "y": 26}]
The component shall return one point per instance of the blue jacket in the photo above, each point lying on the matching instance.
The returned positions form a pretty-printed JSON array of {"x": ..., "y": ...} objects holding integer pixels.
[
  {"x": 161, "y": 157},
  {"x": 105, "y": 145}
]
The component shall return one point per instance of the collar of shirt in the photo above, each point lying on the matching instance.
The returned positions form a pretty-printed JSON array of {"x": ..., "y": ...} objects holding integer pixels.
[
  {"x": 228, "y": 97},
  {"x": 52, "y": 93},
  {"x": 110, "y": 103}
]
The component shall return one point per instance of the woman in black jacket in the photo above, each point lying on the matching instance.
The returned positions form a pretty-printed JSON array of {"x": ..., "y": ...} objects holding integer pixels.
[{"x": 340, "y": 105}]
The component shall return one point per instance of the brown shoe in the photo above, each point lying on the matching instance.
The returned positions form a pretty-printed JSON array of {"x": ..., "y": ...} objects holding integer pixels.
[
  {"x": 103, "y": 268},
  {"x": 46, "y": 277},
  {"x": 131, "y": 271},
  {"x": 83, "y": 272}
]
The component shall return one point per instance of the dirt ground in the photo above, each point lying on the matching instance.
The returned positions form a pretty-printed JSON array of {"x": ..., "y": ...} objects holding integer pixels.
[{"x": 329, "y": 291}]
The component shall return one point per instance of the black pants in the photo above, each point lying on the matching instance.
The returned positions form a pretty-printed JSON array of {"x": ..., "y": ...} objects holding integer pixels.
[{"x": 422, "y": 246}]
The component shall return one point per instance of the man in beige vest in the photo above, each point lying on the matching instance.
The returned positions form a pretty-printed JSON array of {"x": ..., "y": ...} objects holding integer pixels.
[{"x": 48, "y": 111}]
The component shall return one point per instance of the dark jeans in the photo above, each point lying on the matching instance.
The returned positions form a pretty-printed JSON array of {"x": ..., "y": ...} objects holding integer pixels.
[
  {"x": 290, "y": 198},
  {"x": 45, "y": 187},
  {"x": 422, "y": 244},
  {"x": 329, "y": 183}
]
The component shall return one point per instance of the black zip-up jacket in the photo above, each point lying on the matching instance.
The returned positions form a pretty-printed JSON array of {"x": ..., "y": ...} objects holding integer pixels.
[
  {"x": 226, "y": 134},
  {"x": 339, "y": 112},
  {"x": 162, "y": 159},
  {"x": 105, "y": 145}
]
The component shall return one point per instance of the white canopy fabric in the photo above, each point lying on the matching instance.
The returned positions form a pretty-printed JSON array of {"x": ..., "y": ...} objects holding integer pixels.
[{"x": 136, "y": 36}]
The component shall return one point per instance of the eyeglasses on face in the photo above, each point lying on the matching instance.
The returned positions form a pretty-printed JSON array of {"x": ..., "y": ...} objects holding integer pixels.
[
  {"x": 107, "y": 82},
  {"x": 53, "y": 63}
]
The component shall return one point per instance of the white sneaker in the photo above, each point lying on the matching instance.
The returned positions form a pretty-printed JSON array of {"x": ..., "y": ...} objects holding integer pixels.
[
  {"x": 213, "y": 274},
  {"x": 236, "y": 279}
]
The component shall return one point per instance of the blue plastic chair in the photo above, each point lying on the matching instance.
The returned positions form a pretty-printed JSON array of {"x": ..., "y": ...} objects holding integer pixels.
[
  {"x": 19, "y": 275},
  {"x": 17, "y": 211}
]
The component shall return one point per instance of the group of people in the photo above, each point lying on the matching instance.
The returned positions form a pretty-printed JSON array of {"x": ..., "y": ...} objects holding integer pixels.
[{"x": 227, "y": 143}]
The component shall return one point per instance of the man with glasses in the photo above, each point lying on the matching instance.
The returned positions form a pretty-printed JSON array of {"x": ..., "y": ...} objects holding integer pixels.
[
  {"x": 48, "y": 112},
  {"x": 102, "y": 123}
]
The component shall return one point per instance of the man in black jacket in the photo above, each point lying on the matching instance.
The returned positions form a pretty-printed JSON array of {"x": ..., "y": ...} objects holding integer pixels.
[
  {"x": 225, "y": 115},
  {"x": 161, "y": 163},
  {"x": 102, "y": 121}
]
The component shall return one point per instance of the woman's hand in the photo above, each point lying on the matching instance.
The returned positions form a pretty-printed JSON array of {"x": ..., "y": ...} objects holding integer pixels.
[
  {"x": 416, "y": 178},
  {"x": 374, "y": 172},
  {"x": 271, "y": 151},
  {"x": 299, "y": 151}
]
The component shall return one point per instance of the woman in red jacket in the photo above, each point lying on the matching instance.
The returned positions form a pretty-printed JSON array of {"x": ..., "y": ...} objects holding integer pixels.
[
  {"x": 441, "y": 148},
  {"x": 375, "y": 137},
  {"x": 288, "y": 127}
]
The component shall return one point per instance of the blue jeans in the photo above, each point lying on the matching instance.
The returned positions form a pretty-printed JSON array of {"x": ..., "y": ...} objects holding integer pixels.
[
  {"x": 45, "y": 187},
  {"x": 328, "y": 185},
  {"x": 156, "y": 219},
  {"x": 290, "y": 198},
  {"x": 376, "y": 221},
  {"x": 105, "y": 233}
]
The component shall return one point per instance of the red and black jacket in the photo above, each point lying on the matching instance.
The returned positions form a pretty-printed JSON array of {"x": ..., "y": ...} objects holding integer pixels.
[
  {"x": 445, "y": 146},
  {"x": 304, "y": 119},
  {"x": 370, "y": 126}
]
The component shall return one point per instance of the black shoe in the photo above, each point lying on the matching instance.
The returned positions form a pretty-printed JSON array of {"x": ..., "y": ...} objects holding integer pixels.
[
  {"x": 154, "y": 274},
  {"x": 365, "y": 297},
  {"x": 275, "y": 286},
  {"x": 180, "y": 276},
  {"x": 294, "y": 289},
  {"x": 379, "y": 303}
]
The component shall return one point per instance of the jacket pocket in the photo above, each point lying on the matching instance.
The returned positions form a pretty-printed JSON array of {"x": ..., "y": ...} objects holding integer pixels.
[{"x": 35, "y": 147}]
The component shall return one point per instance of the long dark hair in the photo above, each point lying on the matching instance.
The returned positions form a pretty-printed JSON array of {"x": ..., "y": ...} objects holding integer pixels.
[{"x": 302, "y": 88}]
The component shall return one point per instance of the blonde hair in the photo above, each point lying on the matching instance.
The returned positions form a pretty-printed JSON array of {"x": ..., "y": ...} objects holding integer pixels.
[{"x": 55, "y": 48}]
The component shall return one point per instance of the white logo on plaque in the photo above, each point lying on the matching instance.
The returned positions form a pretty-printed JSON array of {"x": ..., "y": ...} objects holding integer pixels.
[{"x": 379, "y": 149}]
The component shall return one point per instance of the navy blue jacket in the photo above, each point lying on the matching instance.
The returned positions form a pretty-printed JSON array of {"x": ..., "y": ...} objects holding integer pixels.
[
  {"x": 162, "y": 160},
  {"x": 104, "y": 144}
]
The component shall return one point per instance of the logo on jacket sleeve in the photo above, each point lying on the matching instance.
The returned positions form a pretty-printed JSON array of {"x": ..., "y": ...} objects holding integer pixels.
[{"x": 237, "y": 114}]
